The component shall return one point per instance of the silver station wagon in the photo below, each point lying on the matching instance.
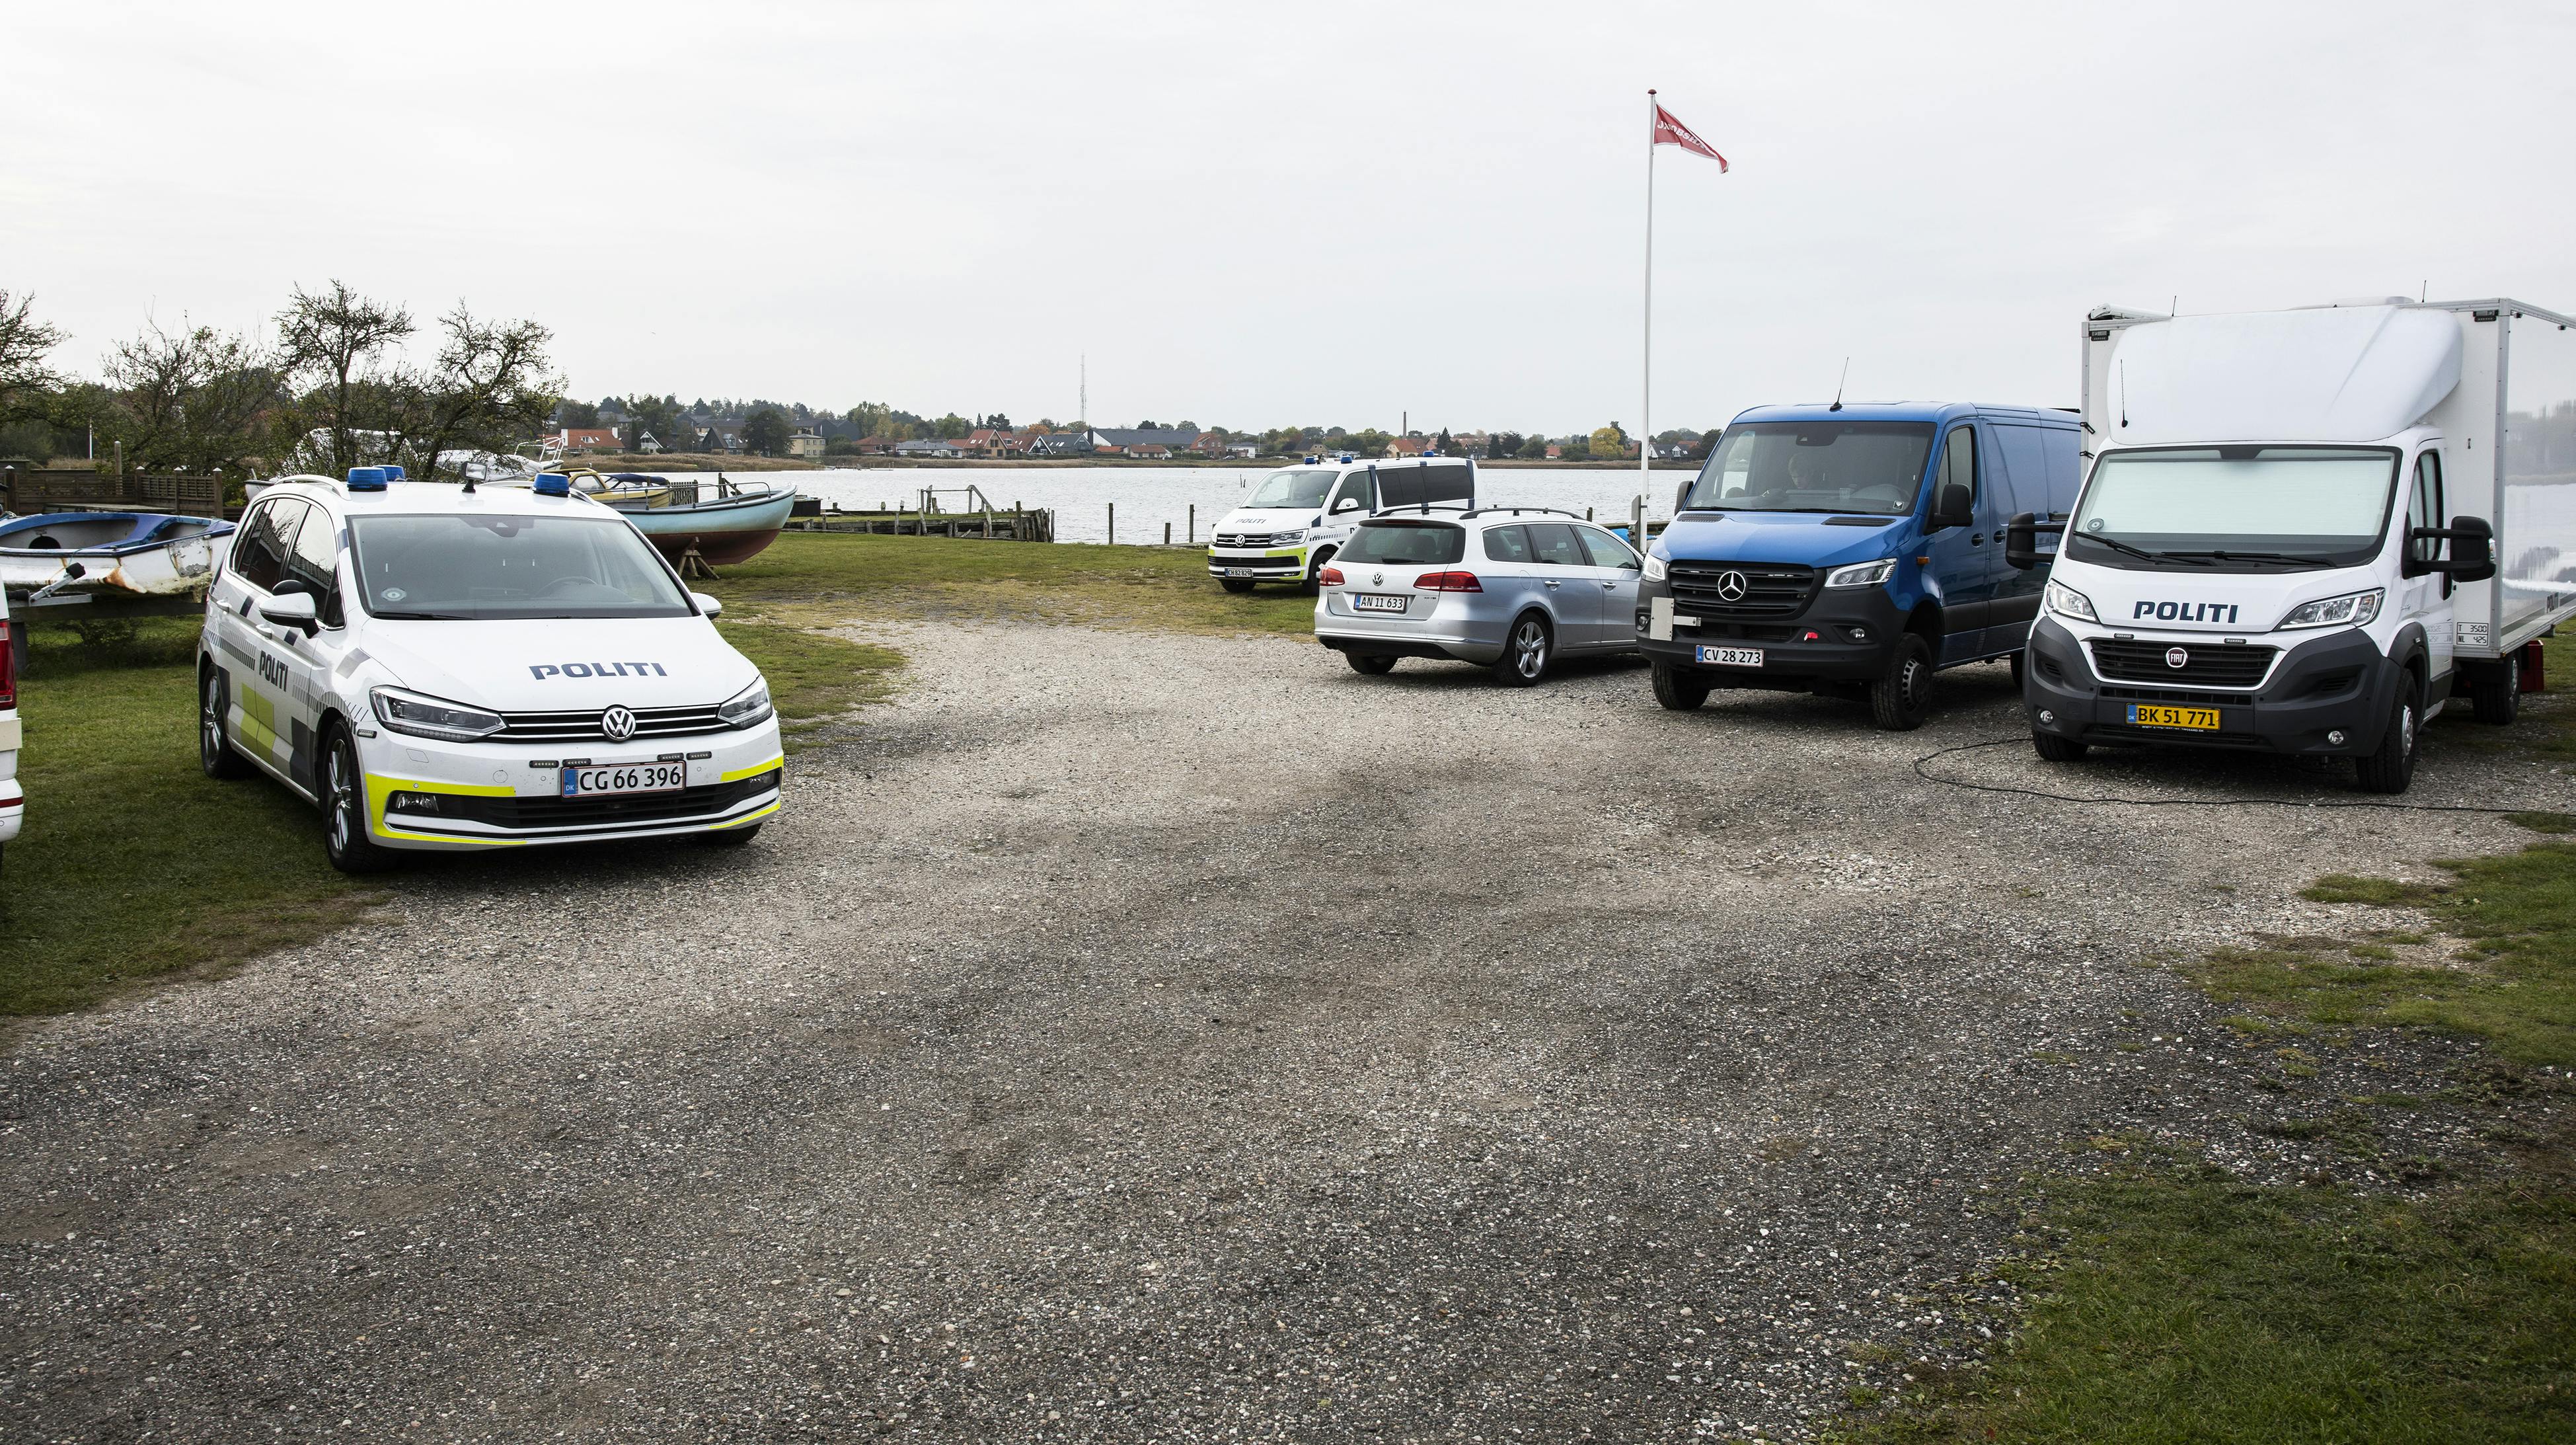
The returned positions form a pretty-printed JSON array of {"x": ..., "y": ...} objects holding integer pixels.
[{"x": 1509, "y": 588}]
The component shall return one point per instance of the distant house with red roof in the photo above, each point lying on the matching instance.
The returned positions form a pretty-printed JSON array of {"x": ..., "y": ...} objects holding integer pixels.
[
  {"x": 1408, "y": 447},
  {"x": 587, "y": 438}
]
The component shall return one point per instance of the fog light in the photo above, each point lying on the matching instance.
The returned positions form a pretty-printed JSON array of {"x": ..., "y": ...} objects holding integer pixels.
[
  {"x": 1860, "y": 634},
  {"x": 412, "y": 803},
  {"x": 2047, "y": 719},
  {"x": 2335, "y": 738}
]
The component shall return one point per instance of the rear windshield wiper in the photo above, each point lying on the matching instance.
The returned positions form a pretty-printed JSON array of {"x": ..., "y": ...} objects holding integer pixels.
[
  {"x": 2140, "y": 552},
  {"x": 2224, "y": 556}
]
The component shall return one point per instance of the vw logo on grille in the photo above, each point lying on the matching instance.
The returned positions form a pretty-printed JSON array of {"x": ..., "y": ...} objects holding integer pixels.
[
  {"x": 618, "y": 723},
  {"x": 1731, "y": 586},
  {"x": 2176, "y": 657}
]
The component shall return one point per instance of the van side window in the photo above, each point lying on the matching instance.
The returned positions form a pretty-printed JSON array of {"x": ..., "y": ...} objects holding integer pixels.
[
  {"x": 1552, "y": 544},
  {"x": 316, "y": 563},
  {"x": 2424, "y": 507},
  {"x": 1506, "y": 544},
  {"x": 1447, "y": 482},
  {"x": 1358, "y": 485},
  {"x": 1958, "y": 463},
  {"x": 259, "y": 552},
  {"x": 1398, "y": 486}
]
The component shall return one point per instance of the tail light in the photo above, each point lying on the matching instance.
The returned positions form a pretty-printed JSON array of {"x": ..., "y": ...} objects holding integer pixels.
[
  {"x": 8, "y": 668},
  {"x": 1448, "y": 582},
  {"x": 1329, "y": 577}
]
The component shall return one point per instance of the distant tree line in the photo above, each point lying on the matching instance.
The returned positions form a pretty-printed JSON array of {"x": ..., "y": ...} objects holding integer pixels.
[{"x": 331, "y": 383}]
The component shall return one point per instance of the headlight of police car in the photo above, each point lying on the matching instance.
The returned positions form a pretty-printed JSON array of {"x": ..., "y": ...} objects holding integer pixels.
[
  {"x": 1657, "y": 568},
  {"x": 2065, "y": 601},
  {"x": 430, "y": 717},
  {"x": 747, "y": 707},
  {"x": 1282, "y": 539},
  {"x": 2355, "y": 609},
  {"x": 1862, "y": 574}
]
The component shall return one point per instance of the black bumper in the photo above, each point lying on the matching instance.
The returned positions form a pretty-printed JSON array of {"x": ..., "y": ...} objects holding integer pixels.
[
  {"x": 2340, "y": 682},
  {"x": 1844, "y": 635}
]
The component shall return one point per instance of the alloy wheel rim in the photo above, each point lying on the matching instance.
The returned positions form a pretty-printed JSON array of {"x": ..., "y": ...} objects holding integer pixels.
[
  {"x": 340, "y": 799},
  {"x": 210, "y": 723},
  {"x": 1533, "y": 649}
]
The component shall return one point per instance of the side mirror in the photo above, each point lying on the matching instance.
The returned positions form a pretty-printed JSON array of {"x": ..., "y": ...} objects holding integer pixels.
[
  {"x": 294, "y": 609},
  {"x": 1346, "y": 504},
  {"x": 711, "y": 606},
  {"x": 2021, "y": 539},
  {"x": 1680, "y": 495},
  {"x": 2472, "y": 549},
  {"x": 1956, "y": 507}
]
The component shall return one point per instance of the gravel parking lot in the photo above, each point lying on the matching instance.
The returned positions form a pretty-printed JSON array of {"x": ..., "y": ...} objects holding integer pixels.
[{"x": 1139, "y": 1037}]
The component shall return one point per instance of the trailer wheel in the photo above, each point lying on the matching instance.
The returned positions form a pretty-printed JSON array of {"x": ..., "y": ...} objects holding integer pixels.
[{"x": 2495, "y": 691}]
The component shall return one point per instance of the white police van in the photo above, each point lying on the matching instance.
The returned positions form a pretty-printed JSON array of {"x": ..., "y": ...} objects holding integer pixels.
[
  {"x": 1300, "y": 516},
  {"x": 443, "y": 668}
]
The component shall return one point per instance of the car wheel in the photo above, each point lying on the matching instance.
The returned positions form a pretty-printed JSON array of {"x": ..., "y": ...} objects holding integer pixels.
[
  {"x": 1526, "y": 652},
  {"x": 1902, "y": 697},
  {"x": 2054, "y": 749},
  {"x": 2020, "y": 665},
  {"x": 2391, "y": 768},
  {"x": 1315, "y": 566},
  {"x": 1373, "y": 666},
  {"x": 2495, "y": 692},
  {"x": 214, "y": 743},
  {"x": 1678, "y": 690},
  {"x": 730, "y": 837},
  {"x": 344, "y": 810},
  {"x": 1235, "y": 584}
]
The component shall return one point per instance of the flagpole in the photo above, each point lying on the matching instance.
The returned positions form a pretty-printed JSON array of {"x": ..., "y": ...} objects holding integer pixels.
[{"x": 1646, "y": 388}]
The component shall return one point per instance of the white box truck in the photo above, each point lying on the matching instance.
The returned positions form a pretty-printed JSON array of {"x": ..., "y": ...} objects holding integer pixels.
[{"x": 2304, "y": 532}]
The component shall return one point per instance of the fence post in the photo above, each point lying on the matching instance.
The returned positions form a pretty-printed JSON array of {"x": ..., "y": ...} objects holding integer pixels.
[
  {"x": 1637, "y": 522},
  {"x": 1167, "y": 534},
  {"x": 1192, "y": 539},
  {"x": 1113, "y": 524}
]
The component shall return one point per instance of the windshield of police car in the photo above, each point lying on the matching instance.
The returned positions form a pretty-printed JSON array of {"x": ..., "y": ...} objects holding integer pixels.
[
  {"x": 1869, "y": 467},
  {"x": 477, "y": 568},
  {"x": 1296, "y": 487}
]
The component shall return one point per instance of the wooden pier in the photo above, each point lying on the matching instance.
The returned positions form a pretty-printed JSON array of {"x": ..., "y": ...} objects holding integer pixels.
[{"x": 934, "y": 512}]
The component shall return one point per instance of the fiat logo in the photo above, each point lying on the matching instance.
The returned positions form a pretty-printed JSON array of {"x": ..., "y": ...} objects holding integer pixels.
[
  {"x": 619, "y": 723},
  {"x": 2176, "y": 657},
  {"x": 1731, "y": 586}
]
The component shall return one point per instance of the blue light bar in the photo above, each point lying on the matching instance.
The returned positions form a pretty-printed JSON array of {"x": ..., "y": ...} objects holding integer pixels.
[
  {"x": 366, "y": 479},
  {"x": 552, "y": 484},
  {"x": 396, "y": 474}
]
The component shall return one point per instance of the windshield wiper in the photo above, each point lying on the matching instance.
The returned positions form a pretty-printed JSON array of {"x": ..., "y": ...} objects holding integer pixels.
[
  {"x": 2140, "y": 552},
  {"x": 423, "y": 617},
  {"x": 2224, "y": 556}
]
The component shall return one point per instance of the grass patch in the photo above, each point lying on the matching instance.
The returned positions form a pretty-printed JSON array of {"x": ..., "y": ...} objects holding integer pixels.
[
  {"x": 133, "y": 863},
  {"x": 813, "y": 678},
  {"x": 824, "y": 577},
  {"x": 2182, "y": 1306}
]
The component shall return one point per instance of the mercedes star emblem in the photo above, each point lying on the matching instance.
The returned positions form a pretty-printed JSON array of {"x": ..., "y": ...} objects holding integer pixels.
[
  {"x": 2176, "y": 657},
  {"x": 618, "y": 723},
  {"x": 1731, "y": 586}
]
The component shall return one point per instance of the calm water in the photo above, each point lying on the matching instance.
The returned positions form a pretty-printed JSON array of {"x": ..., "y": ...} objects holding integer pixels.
[{"x": 1148, "y": 497}]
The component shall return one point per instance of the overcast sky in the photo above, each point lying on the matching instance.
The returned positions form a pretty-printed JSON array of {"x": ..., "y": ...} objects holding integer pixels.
[{"x": 1316, "y": 213}]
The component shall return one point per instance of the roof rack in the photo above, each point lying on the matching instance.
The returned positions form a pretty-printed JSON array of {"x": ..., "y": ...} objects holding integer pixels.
[{"x": 1516, "y": 511}]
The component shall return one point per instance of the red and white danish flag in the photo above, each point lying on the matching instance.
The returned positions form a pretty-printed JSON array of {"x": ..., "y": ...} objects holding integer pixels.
[{"x": 1671, "y": 132}]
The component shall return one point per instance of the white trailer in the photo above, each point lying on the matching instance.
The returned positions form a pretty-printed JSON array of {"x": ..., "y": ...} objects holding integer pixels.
[{"x": 2306, "y": 531}]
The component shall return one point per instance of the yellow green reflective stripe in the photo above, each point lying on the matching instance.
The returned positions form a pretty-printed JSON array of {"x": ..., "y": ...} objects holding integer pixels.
[{"x": 754, "y": 770}]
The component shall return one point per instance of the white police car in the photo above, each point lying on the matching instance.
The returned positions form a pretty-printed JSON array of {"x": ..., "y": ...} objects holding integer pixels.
[
  {"x": 440, "y": 668},
  {"x": 1300, "y": 516}
]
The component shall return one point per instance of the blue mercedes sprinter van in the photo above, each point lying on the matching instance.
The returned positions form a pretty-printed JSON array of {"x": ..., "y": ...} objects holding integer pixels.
[{"x": 1853, "y": 550}]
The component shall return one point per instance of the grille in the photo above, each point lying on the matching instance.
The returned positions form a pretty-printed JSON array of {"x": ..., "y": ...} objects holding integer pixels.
[
  {"x": 583, "y": 726},
  {"x": 2181, "y": 695},
  {"x": 1244, "y": 539},
  {"x": 2212, "y": 665},
  {"x": 609, "y": 811},
  {"x": 1771, "y": 589}
]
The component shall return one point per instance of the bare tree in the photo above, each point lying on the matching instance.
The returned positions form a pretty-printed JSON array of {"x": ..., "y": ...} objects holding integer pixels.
[
  {"x": 491, "y": 386},
  {"x": 196, "y": 400},
  {"x": 24, "y": 342},
  {"x": 330, "y": 342}
]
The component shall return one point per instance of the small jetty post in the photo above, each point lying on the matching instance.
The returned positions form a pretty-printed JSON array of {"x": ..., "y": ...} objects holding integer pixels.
[
  {"x": 1192, "y": 539},
  {"x": 1167, "y": 534},
  {"x": 1113, "y": 524}
]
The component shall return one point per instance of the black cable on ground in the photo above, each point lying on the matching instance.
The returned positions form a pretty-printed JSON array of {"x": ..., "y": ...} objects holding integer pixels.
[{"x": 1929, "y": 777}]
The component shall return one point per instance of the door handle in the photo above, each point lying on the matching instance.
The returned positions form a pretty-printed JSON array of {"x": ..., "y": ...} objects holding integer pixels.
[
  {"x": 1976, "y": 539},
  {"x": 1549, "y": 582}
]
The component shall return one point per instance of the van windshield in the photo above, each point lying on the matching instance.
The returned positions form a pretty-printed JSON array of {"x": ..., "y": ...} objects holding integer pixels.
[
  {"x": 1870, "y": 467},
  {"x": 1296, "y": 487},
  {"x": 1406, "y": 543},
  {"x": 2239, "y": 507},
  {"x": 474, "y": 568}
]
